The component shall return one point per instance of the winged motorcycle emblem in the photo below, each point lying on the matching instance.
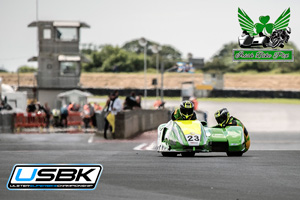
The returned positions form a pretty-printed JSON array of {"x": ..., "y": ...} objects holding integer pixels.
[{"x": 264, "y": 33}]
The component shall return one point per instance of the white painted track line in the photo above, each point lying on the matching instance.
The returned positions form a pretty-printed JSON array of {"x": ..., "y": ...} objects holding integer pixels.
[
  {"x": 151, "y": 147},
  {"x": 139, "y": 147},
  {"x": 91, "y": 139}
]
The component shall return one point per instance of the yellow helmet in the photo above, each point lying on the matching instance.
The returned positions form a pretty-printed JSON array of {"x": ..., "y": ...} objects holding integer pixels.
[
  {"x": 186, "y": 109},
  {"x": 222, "y": 116}
]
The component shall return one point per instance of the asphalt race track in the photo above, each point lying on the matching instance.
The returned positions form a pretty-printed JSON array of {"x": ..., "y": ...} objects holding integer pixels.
[{"x": 270, "y": 170}]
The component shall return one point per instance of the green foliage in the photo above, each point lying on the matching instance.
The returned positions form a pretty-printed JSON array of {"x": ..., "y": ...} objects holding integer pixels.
[
  {"x": 222, "y": 62},
  {"x": 111, "y": 58},
  {"x": 26, "y": 69},
  {"x": 216, "y": 65},
  {"x": 168, "y": 54},
  {"x": 3, "y": 70},
  {"x": 129, "y": 58}
]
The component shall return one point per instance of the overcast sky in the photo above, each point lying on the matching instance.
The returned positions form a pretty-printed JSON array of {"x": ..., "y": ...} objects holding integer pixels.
[{"x": 199, "y": 27}]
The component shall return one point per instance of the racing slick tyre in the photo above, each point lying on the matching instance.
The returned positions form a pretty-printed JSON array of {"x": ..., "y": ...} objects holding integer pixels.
[
  {"x": 168, "y": 154},
  {"x": 188, "y": 154},
  {"x": 231, "y": 154}
]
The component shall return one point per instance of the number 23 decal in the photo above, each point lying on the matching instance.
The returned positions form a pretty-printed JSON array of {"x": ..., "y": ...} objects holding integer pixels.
[{"x": 193, "y": 138}]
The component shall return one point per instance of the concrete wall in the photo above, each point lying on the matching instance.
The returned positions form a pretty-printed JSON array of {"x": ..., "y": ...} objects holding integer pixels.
[
  {"x": 131, "y": 123},
  {"x": 49, "y": 96},
  {"x": 6, "y": 122}
]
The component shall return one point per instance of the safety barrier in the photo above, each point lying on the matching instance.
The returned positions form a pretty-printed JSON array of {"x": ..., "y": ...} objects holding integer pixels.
[
  {"x": 33, "y": 120},
  {"x": 30, "y": 120},
  {"x": 74, "y": 119}
]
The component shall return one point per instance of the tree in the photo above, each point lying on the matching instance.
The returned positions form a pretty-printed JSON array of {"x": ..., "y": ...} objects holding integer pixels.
[
  {"x": 3, "y": 70},
  {"x": 26, "y": 69},
  {"x": 216, "y": 65},
  {"x": 129, "y": 58},
  {"x": 167, "y": 53},
  {"x": 111, "y": 58}
]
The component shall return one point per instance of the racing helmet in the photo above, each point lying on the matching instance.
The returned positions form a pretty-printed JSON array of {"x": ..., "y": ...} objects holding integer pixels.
[
  {"x": 186, "y": 109},
  {"x": 222, "y": 116}
]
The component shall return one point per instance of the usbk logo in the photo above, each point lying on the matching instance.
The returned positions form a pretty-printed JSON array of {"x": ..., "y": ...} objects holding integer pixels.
[{"x": 54, "y": 177}]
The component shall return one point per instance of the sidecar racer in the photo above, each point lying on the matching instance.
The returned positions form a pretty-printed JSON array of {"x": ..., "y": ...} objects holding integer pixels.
[
  {"x": 187, "y": 137},
  {"x": 246, "y": 41}
]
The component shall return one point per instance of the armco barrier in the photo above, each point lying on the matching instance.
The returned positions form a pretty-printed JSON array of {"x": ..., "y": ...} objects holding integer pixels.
[{"x": 131, "y": 123}]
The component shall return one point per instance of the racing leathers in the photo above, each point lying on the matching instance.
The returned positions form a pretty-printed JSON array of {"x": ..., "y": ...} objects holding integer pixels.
[
  {"x": 176, "y": 115},
  {"x": 236, "y": 122}
]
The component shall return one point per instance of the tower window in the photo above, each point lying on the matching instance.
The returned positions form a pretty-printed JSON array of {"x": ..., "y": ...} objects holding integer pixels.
[
  {"x": 69, "y": 68},
  {"x": 47, "y": 33},
  {"x": 66, "y": 34}
]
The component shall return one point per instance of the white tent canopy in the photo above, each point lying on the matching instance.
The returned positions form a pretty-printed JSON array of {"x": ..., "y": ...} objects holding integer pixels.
[{"x": 73, "y": 96}]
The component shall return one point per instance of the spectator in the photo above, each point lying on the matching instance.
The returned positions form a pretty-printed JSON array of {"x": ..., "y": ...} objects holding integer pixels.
[
  {"x": 39, "y": 107},
  {"x": 130, "y": 102},
  {"x": 115, "y": 106},
  {"x": 116, "y": 94},
  {"x": 48, "y": 114},
  {"x": 97, "y": 107},
  {"x": 63, "y": 116},
  {"x": 71, "y": 107},
  {"x": 195, "y": 102},
  {"x": 92, "y": 113},
  {"x": 138, "y": 100},
  {"x": 5, "y": 106},
  {"x": 158, "y": 104},
  {"x": 86, "y": 114},
  {"x": 76, "y": 107},
  {"x": 31, "y": 107},
  {"x": 45, "y": 110},
  {"x": 105, "y": 108},
  {"x": 56, "y": 117}
]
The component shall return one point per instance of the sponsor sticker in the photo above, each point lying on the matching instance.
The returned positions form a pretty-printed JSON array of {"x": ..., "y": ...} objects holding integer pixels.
[
  {"x": 266, "y": 33},
  {"x": 54, "y": 177},
  {"x": 193, "y": 139}
]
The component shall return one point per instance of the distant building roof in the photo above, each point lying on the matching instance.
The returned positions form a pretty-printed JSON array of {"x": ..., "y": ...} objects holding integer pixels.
[
  {"x": 61, "y": 24},
  {"x": 6, "y": 88},
  {"x": 72, "y": 92}
]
